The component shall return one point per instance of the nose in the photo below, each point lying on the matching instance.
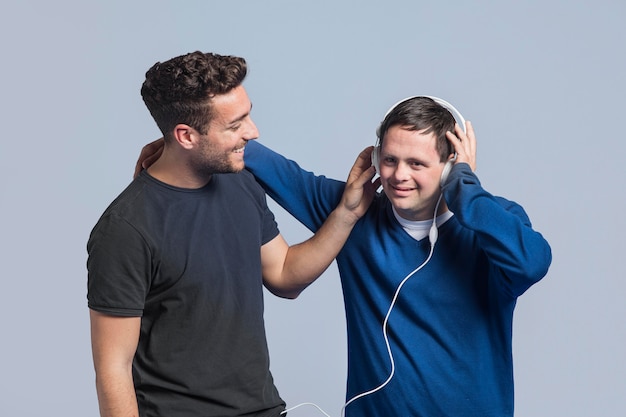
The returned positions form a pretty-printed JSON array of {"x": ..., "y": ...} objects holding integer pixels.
[
  {"x": 251, "y": 132},
  {"x": 400, "y": 172}
]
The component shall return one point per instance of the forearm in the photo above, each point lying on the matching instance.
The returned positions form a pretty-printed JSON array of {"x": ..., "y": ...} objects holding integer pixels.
[
  {"x": 114, "y": 342},
  {"x": 302, "y": 264},
  {"x": 306, "y": 261},
  {"x": 116, "y": 394},
  {"x": 502, "y": 228}
]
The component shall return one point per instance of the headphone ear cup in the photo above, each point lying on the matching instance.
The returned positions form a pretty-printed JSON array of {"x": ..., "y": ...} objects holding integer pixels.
[
  {"x": 376, "y": 158},
  {"x": 446, "y": 171}
]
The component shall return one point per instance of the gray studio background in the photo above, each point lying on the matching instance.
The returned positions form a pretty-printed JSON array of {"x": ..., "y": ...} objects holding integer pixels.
[{"x": 542, "y": 81}]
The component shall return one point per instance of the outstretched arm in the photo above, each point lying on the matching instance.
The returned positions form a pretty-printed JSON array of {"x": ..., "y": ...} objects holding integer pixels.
[
  {"x": 287, "y": 271},
  {"x": 308, "y": 197}
]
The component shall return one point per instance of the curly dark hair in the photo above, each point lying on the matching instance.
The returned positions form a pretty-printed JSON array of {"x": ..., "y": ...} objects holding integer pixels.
[
  {"x": 422, "y": 113},
  {"x": 180, "y": 90}
]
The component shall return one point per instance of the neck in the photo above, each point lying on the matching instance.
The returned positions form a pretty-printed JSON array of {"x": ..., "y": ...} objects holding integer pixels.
[
  {"x": 443, "y": 207},
  {"x": 176, "y": 170}
]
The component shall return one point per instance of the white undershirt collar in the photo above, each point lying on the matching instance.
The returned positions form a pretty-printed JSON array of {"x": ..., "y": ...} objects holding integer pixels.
[{"x": 418, "y": 229}]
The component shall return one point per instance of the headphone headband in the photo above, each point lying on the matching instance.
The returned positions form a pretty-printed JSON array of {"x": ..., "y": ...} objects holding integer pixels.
[
  {"x": 455, "y": 113},
  {"x": 458, "y": 117}
]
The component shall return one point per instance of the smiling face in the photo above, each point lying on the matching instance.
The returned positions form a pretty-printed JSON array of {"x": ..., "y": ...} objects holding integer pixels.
[
  {"x": 410, "y": 170},
  {"x": 221, "y": 149}
]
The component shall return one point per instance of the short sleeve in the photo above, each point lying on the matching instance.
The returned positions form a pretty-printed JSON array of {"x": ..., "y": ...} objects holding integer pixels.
[{"x": 119, "y": 268}]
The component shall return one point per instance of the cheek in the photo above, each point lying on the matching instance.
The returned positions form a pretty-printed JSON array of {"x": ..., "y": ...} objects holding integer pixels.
[
  {"x": 386, "y": 176},
  {"x": 390, "y": 171},
  {"x": 435, "y": 179},
  {"x": 428, "y": 180}
]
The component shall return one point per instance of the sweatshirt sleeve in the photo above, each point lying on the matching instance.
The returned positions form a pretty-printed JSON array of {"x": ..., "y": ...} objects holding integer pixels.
[
  {"x": 503, "y": 230},
  {"x": 308, "y": 197}
]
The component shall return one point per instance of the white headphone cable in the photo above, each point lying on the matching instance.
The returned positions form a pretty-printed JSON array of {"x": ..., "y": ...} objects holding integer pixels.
[
  {"x": 433, "y": 235},
  {"x": 301, "y": 404}
]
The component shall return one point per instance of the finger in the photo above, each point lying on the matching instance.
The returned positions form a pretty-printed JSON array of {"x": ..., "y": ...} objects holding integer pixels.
[
  {"x": 152, "y": 158},
  {"x": 149, "y": 153},
  {"x": 471, "y": 145},
  {"x": 367, "y": 175},
  {"x": 454, "y": 141},
  {"x": 471, "y": 135},
  {"x": 467, "y": 137},
  {"x": 459, "y": 131},
  {"x": 138, "y": 168},
  {"x": 361, "y": 179},
  {"x": 155, "y": 144},
  {"x": 365, "y": 157},
  {"x": 154, "y": 147},
  {"x": 362, "y": 164}
]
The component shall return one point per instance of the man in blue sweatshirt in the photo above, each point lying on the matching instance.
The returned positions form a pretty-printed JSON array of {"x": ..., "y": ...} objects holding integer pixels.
[{"x": 430, "y": 274}]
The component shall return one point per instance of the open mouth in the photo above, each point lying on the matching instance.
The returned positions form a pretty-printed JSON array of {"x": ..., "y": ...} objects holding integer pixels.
[{"x": 402, "y": 190}]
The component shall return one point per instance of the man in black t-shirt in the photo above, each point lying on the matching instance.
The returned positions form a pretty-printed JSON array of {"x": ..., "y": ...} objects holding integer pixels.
[{"x": 177, "y": 262}]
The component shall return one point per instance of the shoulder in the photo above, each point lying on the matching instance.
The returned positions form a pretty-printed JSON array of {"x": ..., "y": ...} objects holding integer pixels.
[
  {"x": 124, "y": 202},
  {"x": 241, "y": 185},
  {"x": 132, "y": 195},
  {"x": 243, "y": 179},
  {"x": 136, "y": 209}
]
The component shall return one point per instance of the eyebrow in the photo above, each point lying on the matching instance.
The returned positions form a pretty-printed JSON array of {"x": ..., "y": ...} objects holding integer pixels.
[{"x": 401, "y": 158}]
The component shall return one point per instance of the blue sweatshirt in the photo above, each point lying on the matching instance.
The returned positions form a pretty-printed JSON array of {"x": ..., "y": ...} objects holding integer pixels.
[{"x": 450, "y": 330}]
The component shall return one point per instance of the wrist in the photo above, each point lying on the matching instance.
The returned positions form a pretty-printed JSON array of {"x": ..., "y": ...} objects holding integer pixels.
[{"x": 345, "y": 216}]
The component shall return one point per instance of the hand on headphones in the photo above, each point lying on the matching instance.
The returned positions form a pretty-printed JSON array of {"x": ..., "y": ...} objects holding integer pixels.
[
  {"x": 464, "y": 144},
  {"x": 360, "y": 189}
]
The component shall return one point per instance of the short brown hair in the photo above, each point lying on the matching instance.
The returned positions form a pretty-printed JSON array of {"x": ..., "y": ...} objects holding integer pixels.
[
  {"x": 422, "y": 114},
  {"x": 180, "y": 90}
]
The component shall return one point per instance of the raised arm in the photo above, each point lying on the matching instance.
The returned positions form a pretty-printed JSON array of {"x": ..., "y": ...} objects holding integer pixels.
[
  {"x": 287, "y": 271},
  {"x": 502, "y": 227},
  {"x": 114, "y": 342}
]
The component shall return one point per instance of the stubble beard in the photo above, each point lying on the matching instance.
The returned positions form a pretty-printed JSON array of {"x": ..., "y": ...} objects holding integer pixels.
[{"x": 210, "y": 162}]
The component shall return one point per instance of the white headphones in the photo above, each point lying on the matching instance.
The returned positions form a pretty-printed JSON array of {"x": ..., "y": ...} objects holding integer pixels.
[{"x": 455, "y": 113}]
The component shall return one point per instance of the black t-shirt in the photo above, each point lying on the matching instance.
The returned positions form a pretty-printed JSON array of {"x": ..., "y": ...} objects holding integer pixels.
[{"x": 188, "y": 262}]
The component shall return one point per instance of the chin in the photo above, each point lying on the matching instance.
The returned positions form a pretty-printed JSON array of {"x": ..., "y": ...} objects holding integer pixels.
[
  {"x": 410, "y": 211},
  {"x": 238, "y": 167},
  {"x": 401, "y": 203}
]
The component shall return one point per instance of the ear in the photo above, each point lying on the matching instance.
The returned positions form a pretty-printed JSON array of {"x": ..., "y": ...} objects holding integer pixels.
[{"x": 185, "y": 136}]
